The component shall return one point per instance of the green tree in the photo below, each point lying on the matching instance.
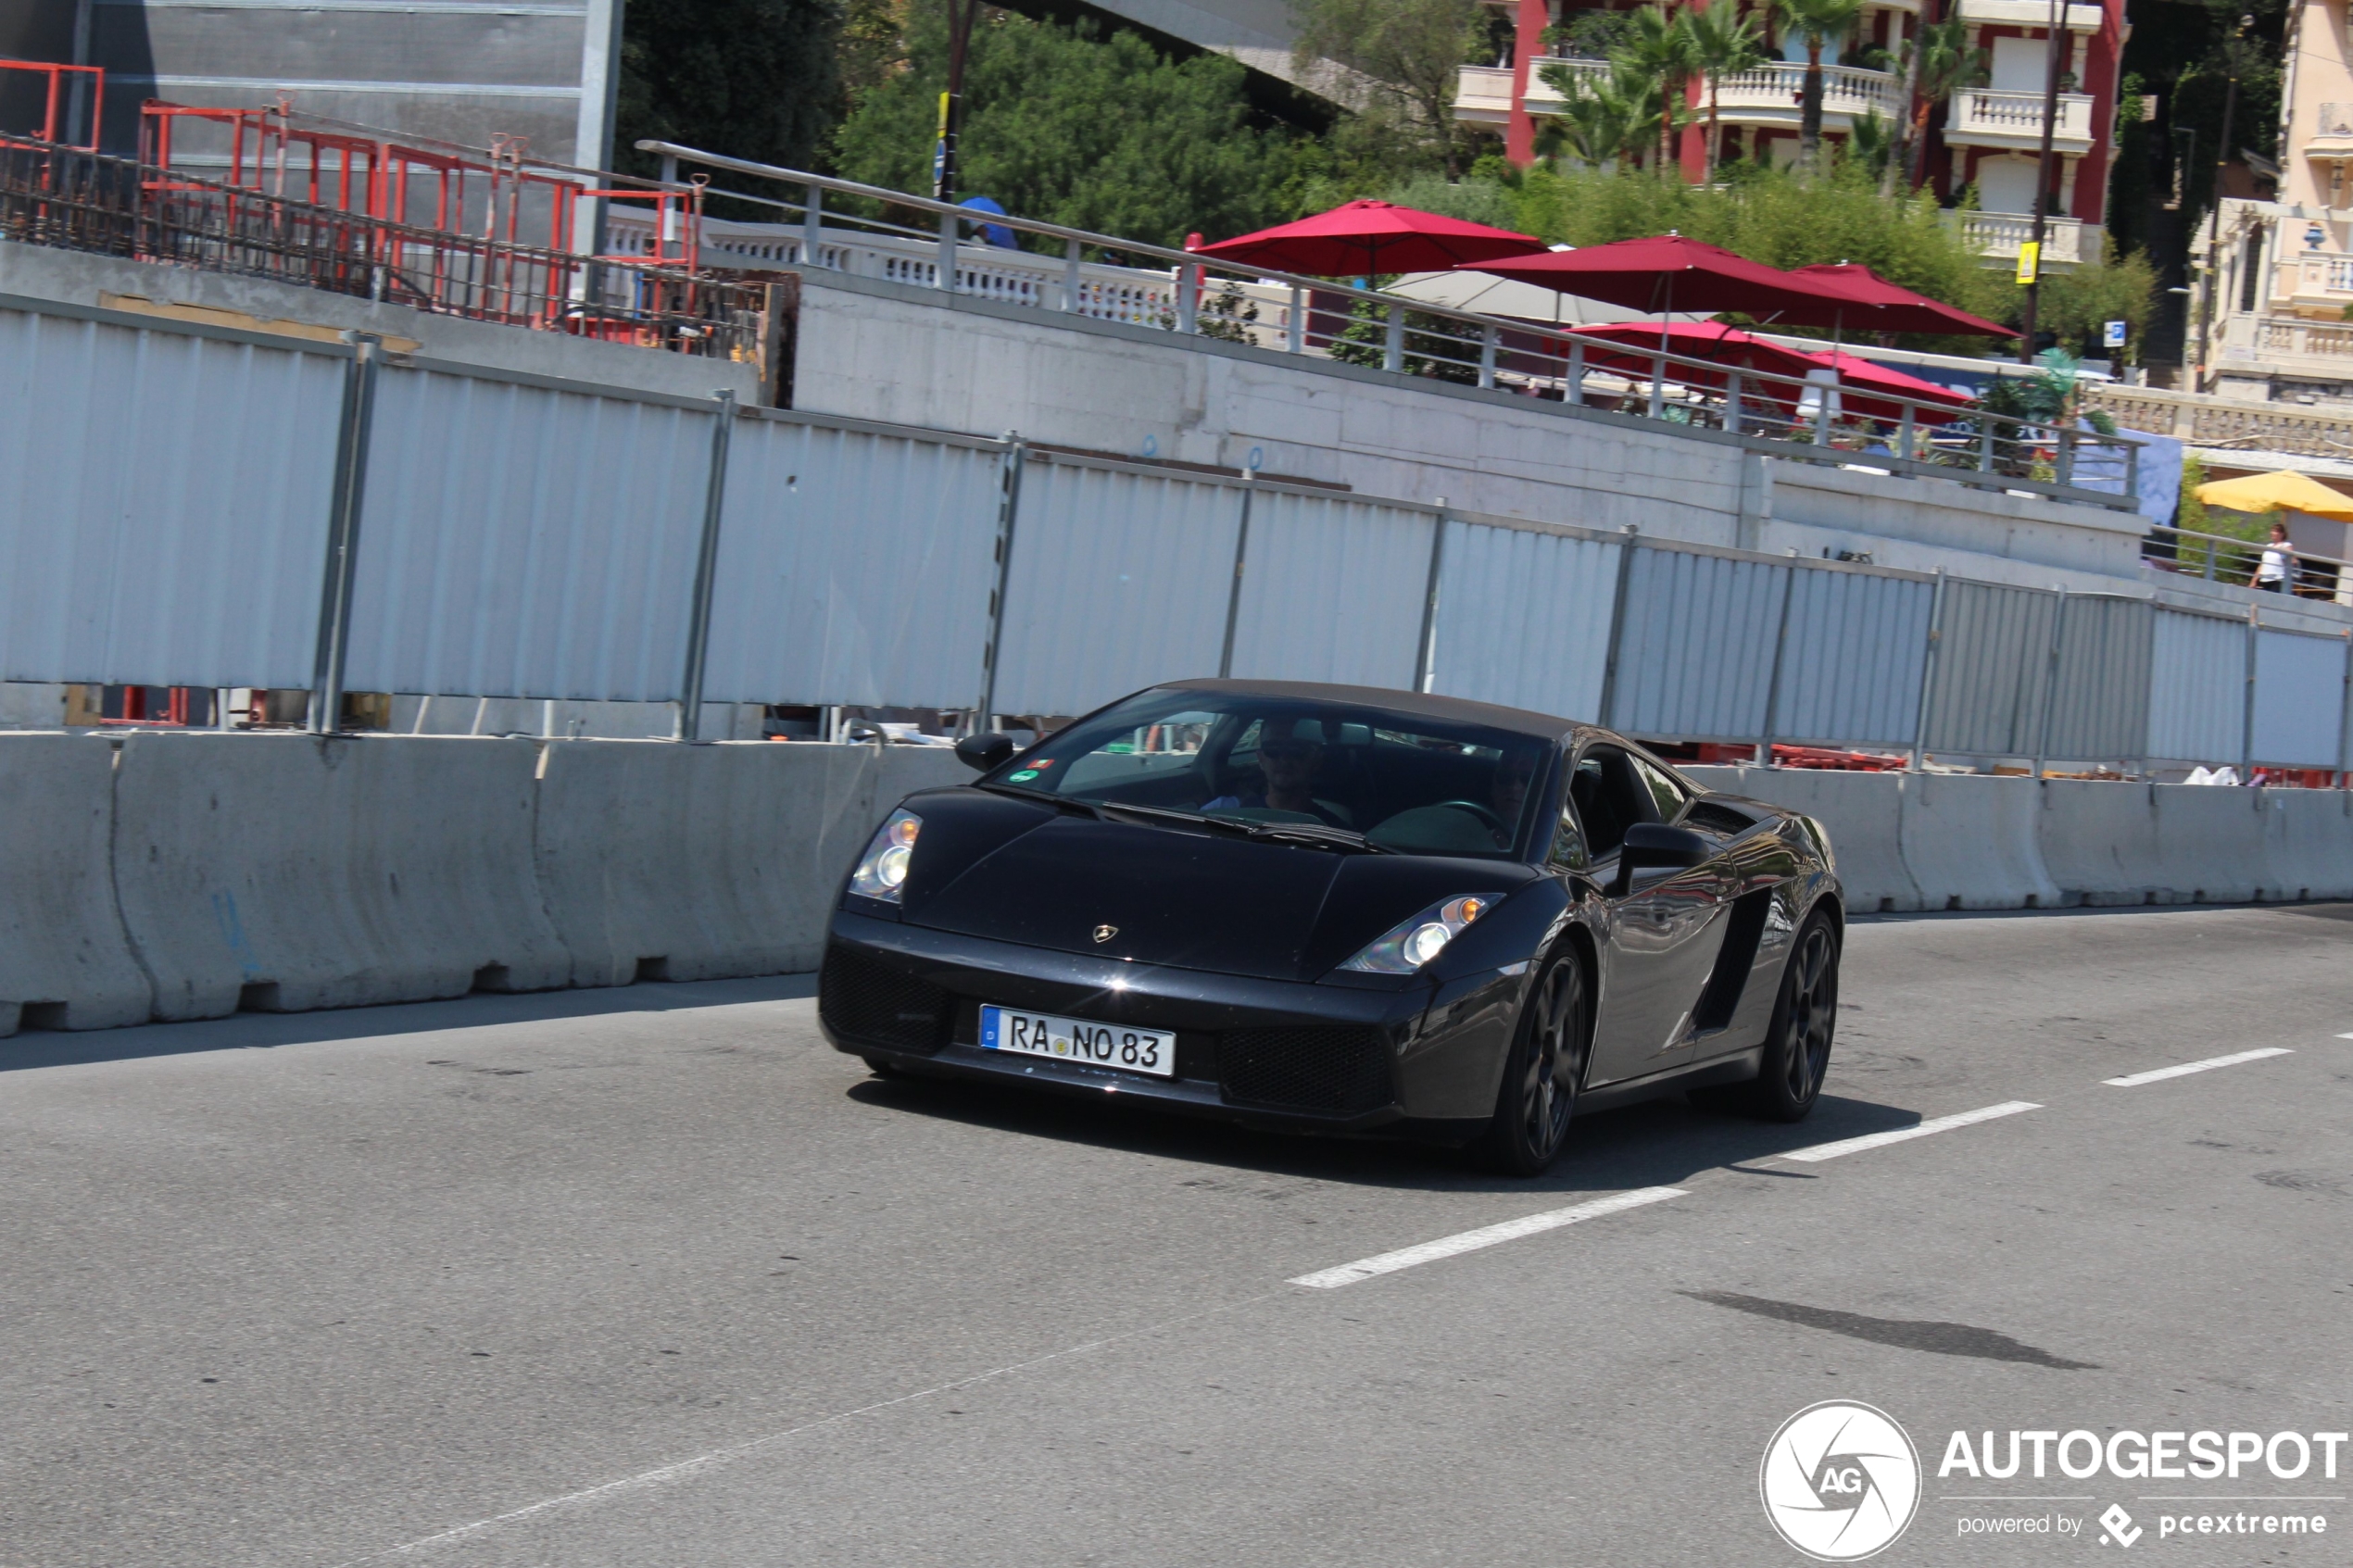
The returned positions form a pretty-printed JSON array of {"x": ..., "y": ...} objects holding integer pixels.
[
  {"x": 1937, "y": 60},
  {"x": 1725, "y": 42},
  {"x": 1818, "y": 22},
  {"x": 1661, "y": 47},
  {"x": 753, "y": 79},
  {"x": 1603, "y": 117},
  {"x": 1096, "y": 132},
  {"x": 1409, "y": 54}
]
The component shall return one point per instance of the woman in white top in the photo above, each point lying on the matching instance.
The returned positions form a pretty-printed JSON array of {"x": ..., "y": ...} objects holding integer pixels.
[{"x": 2278, "y": 565}]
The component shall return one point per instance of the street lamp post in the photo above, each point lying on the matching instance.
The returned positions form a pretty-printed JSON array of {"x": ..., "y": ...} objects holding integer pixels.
[
  {"x": 2234, "y": 52},
  {"x": 962, "y": 16},
  {"x": 2030, "y": 270}
]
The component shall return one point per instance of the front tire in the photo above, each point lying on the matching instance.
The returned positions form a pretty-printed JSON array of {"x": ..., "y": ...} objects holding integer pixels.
[
  {"x": 1542, "y": 1073},
  {"x": 1798, "y": 1046}
]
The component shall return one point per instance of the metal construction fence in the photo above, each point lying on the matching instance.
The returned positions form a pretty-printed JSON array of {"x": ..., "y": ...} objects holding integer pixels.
[{"x": 186, "y": 503}]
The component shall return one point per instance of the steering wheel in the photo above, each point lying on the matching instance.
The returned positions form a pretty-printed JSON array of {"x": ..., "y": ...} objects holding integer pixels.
[{"x": 1492, "y": 823}]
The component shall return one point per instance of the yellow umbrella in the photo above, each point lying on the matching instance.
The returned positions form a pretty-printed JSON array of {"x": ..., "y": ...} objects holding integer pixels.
[{"x": 2283, "y": 491}]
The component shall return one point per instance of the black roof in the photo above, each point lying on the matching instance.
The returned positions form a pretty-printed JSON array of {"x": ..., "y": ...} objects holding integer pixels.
[{"x": 1418, "y": 705}]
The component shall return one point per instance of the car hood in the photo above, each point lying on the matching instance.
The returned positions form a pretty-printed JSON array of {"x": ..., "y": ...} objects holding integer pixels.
[{"x": 1171, "y": 896}]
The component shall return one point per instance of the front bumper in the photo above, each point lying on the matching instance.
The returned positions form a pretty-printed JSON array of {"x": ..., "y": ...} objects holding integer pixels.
[{"x": 1274, "y": 1053}]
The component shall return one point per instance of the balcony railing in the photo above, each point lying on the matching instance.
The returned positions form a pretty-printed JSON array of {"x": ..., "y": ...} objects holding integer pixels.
[
  {"x": 1997, "y": 235},
  {"x": 2031, "y": 14},
  {"x": 2203, "y": 419},
  {"x": 2283, "y": 338},
  {"x": 2319, "y": 274},
  {"x": 1483, "y": 94},
  {"x": 1984, "y": 117},
  {"x": 1775, "y": 93},
  {"x": 1541, "y": 98}
]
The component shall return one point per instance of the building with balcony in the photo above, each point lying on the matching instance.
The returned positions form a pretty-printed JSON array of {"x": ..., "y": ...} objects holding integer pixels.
[
  {"x": 1987, "y": 137},
  {"x": 2274, "y": 286}
]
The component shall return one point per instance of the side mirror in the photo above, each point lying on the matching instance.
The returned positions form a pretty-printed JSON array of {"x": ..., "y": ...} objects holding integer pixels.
[
  {"x": 983, "y": 752},
  {"x": 1650, "y": 845}
]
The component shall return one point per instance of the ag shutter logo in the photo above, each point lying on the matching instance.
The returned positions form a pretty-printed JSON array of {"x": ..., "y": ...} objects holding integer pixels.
[
  {"x": 1840, "y": 1481},
  {"x": 2117, "y": 1525}
]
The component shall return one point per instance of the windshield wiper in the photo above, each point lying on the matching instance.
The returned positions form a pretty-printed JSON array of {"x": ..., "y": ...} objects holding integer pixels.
[
  {"x": 1316, "y": 833},
  {"x": 1044, "y": 798},
  {"x": 1116, "y": 808}
]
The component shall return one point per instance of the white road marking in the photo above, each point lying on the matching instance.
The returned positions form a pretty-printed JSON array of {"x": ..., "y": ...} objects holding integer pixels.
[
  {"x": 1486, "y": 1235},
  {"x": 2187, "y": 1068},
  {"x": 1933, "y": 1124},
  {"x": 2346, "y": 1036}
]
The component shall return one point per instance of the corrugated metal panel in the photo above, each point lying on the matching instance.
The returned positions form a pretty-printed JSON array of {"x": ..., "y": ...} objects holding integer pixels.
[
  {"x": 1523, "y": 617},
  {"x": 517, "y": 542},
  {"x": 1332, "y": 590},
  {"x": 1851, "y": 666},
  {"x": 163, "y": 505},
  {"x": 1118, "y": 580},
  {"x": 852, "y": 568},
  {"x": 2101, "y": 710},
  {"x": 1993, "y": 663},
  {"x": 1696, "y": 652},
  {"x": 2198, "y": 688},
  {"x": 2299, "y": 698}
]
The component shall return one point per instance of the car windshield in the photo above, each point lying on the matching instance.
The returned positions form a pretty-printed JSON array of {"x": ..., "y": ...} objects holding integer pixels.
[{"x": 1414, "y": 786}]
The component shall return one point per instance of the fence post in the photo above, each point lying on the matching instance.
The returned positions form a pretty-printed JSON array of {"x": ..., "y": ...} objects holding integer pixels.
[
  {"x": 1617, "y": 624},
  {"x": 1658, "y": 385},
  {"x": 1070, "y": 277},
  {"x": 812, "y": 228},
  {"x": 1928, "y": 671},
  {"x": 2133, "y": 467},
  {"x": 1906, "y": 431},
  {"x": 1426, "y": 647},
  {"x": 1576, "y": 388},
  {"x": 2344, "y": 729},
  {"x": 2066, "y": 463},
  {"x": 1487, "y": 356},
  {"x": 947, "y": 263},
  {"x": 1008, "y": 514},
  {"x": 1234, "y": 592},
  {"x": 1392, "y": 356},
  {"x": 1296, "y": 335},
  {"x": 2246, "y": 716},
  {"x": 1773, "y": 680},
  {"x": 1188, "y": 296},
  {"x": 714, "y": 499},
  {"x": 2050, "y": 687},
  {"x": 1984, "y": 443},
  {"x": 343, "y": 531},
  {"x": 1731, "y": 403}
]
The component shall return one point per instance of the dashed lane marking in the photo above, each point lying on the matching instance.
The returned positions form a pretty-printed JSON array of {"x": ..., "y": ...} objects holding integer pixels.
[
  {"x": 2184, "y": 1069},
  {"x": 1486, "y": 1235},
  {"x": 1919, "y": 1130}
]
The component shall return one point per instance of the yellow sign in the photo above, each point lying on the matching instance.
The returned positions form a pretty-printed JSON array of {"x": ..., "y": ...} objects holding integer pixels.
[
  {"x": 943, "y": 116},
  {"x": 2030, "y": 258}
]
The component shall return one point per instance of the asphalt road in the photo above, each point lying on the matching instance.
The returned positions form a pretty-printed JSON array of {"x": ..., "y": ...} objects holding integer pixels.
[{"x": 653, "y": 1277}]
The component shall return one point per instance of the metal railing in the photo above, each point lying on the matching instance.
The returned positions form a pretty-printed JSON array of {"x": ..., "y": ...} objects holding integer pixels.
[
  {"x": 1809, "y": 418},
  {"x": 72, "y": 199},
  {"x": 2224, "y": 557}
]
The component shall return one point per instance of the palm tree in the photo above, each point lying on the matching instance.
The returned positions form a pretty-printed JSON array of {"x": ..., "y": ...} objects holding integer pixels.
[
  {"x": 1725, "y": 43},
  {"x": 1937, "y": 60},
  {"x": 1660, "y": 46},
  {"x": 1602, "y": 118},
  {"x": 1819, "y": 23}
]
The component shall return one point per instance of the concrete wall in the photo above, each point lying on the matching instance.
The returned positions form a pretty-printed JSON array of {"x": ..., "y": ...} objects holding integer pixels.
[
  {"x": 190, "y": 875},
  {"x": 1945, "y": 841}
]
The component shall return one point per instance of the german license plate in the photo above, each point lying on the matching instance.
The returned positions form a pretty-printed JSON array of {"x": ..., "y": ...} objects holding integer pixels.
[{"x": 1076, "y": 1039}]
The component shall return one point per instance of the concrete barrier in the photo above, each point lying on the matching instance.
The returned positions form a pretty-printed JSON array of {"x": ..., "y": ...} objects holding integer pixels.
[
  {"x": 697, "y": 862},
  {"x": 2101, "y": 843},
  {"x": 1862, "y": 812},
  {"x": 284, "y": 872},
  {"x": 64, "y": 964},
  {"x": 1971, "y": 842},
  {"x": 2308, "y": 844},
  {"x": 2211, "y": 842}
]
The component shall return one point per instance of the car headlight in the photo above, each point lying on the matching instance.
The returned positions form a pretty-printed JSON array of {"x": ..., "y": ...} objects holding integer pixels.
[
  {"x": 882, "y": 870},
  {"x": 1413, "y": 943}
]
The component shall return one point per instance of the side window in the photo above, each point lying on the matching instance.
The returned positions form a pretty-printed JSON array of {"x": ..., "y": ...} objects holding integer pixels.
[
  {"x": 1607, "y": 798},
  {"x": 1664, "y": 791},
  {"x": 1568, "y": 837}
]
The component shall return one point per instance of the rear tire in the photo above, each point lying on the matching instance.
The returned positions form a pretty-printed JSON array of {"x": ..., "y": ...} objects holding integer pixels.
[
  {"x": 1797, "y": 1044},
  {"x": 1542, "y": 1074}
]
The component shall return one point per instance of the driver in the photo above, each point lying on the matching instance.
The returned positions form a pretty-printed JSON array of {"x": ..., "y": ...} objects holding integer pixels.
[
  {"x": 1507, "y": 793},
  {"x": 1290, "y": 750}
]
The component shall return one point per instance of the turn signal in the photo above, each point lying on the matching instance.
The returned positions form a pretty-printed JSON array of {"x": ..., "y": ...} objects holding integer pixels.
[
  {"x": 1407, "y": 947},
  {"x": 882, "y": 870}
]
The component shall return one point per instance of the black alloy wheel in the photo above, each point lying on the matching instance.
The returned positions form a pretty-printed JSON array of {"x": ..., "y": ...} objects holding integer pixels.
[
  {"x": 1542, "y": 1074},
  {"x": 1797, "y": 1048}
]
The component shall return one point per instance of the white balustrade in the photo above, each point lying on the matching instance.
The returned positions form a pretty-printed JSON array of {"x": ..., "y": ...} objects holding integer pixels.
[{"x": 1984, "y": 117}]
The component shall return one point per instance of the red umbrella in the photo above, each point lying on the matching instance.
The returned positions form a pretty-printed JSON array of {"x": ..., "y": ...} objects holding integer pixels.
[
  {"x": 1855, "y": 372},
  {"x": 1360, "y": 238},
  {"x": 1734, "y": 349},
  {"x": 1899, "y": 309},
  {"x": 1669, "y": 273}
]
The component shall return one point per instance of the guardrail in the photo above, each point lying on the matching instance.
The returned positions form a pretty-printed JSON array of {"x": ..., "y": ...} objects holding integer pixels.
[
  {"x": 72, "y": 199},
  {"x": 2222, "y": 557},
  {"x": 1809, "y": 418}
]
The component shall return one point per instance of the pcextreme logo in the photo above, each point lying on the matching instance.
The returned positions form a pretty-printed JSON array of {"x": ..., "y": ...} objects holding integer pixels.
[{"x": 1840, "y": 1481}]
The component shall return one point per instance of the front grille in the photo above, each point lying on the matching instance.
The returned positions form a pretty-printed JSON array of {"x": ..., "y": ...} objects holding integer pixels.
[
  {"x": 1344, "y": 1071},
  {"x": 864, "y": 999}
]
